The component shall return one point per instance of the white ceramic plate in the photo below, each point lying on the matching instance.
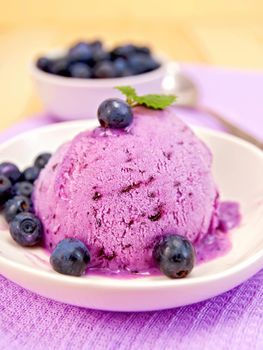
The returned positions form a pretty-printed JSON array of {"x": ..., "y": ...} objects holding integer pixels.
[{"x": 238, "y": 171}]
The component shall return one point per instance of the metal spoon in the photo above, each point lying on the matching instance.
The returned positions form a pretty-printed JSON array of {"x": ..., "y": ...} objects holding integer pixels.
[{"x": 176, "y": 82}]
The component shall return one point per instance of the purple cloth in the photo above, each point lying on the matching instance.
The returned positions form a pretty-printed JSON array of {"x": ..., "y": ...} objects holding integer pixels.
[{"x": 231, "y": 321}]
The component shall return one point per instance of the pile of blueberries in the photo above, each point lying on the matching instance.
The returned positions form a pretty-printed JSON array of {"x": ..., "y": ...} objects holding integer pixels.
[
  {"x": 91, "y": 60},
  {"x": 71, "y": 256},
  {"x": 16, "y": 189}
]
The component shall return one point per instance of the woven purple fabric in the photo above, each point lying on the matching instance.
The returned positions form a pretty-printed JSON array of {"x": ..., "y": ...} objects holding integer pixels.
[{"x": 231, "y": 321}]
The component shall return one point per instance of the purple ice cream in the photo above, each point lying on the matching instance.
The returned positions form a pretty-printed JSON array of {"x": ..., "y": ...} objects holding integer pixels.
[{"x": 119, "y": 191}]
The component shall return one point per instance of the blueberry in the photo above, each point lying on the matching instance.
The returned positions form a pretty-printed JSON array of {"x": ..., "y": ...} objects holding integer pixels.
[
  {"x": 16, "y": 205},
  {"x": 104, "y": 69},
  {"x": 43, "y": 63},
  {"x": 96, "y": 44},
  {"x": 143, "y": 49},
  {"x": 70, "y": 257},
  {"x": 77, "y": 45},
  {"x": 60, "y": 66},
  {"x": 42, "y": 160},
  {"x": 121, "y": 67},
  {"x": 80, "y": 70},
  {"x": 11, "y": 171},
  {"x": 31, "y": 174},
  {"x": 175, "y": 256},
  {"x": 80, "y": 52},
  {"x": 23, "y": 188},
  {"x": 26, "y": 229},
  {"x": 123, "y": 51},
  {"x": 142, "y": 63},
  {"x": 5, "y": 189},
  {"x": 115, "y": 113},
  {"x": 100, "y": 55}
]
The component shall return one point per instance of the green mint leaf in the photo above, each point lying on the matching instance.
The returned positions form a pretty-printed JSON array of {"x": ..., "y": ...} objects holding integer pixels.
[
  {"x": 155, "y": 101},
  {"x": 151, "y": 101},
  {"x": 128, "y": 91}
]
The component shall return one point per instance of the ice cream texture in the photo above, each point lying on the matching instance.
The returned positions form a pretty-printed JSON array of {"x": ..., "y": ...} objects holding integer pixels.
[{"x": 118, "y": 191}]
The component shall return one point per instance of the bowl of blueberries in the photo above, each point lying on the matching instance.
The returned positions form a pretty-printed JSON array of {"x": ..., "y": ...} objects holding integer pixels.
[{"x": 73, "y": 82}]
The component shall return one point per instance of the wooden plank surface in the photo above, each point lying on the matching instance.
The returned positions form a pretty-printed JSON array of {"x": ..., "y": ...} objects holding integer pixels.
[{"x": 225, "y": 33}]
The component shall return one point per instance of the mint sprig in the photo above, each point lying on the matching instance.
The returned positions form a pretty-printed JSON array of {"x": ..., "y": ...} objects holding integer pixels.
[{"x": 153, "y": 101}]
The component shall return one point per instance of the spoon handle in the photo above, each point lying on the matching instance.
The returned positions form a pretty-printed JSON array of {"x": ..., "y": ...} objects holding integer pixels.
[{"x": 231, "y": 127}]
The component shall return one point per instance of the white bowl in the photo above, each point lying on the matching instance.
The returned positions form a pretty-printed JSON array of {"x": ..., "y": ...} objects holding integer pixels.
[
  {"x": 238, "y": 169},
  {"x": 71, "y": 98}
]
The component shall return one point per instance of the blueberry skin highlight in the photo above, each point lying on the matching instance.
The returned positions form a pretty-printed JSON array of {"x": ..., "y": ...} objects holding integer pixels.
[{"x": 70, "y": 257}]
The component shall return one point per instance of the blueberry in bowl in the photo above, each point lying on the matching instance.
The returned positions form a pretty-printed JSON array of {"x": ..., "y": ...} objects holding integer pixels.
[
  {"x": 99, "y": 61},
  {"x": 73, "y": 82}
]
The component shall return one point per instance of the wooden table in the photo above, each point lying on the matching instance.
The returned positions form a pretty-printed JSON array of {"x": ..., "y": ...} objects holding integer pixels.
[{"x": 227, "y": 33}]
